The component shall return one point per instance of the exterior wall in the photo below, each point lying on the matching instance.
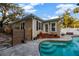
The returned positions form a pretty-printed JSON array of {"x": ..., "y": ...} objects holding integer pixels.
[
  {"x": 35, "y": 32},
  {"x": 28, "y": 29},
  {"x": 56, "y": 31},
  {"x": 18, "y": 36},
  {"x": 57, "y": 28},
  {"x": 22, "y": 34},
  {"x": 18, "y": 24}
]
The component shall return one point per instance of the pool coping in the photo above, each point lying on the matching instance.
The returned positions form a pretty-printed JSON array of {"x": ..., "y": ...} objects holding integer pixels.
[{"x": 75, "y": 36}]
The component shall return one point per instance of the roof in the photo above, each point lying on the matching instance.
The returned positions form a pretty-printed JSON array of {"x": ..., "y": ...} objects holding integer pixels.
[
  {"x": 33, "y": 16},
  {"x": 28, "y": 16},
  {"x": 54, "y": 20},
  {"x": 37, "y": 18},
  {"x": 54, "y": 17}
]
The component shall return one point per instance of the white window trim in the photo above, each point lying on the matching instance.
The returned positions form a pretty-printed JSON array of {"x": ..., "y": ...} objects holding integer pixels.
[
  {"x": 39, "y": 25},
  {"x": 55, "y": 26}
]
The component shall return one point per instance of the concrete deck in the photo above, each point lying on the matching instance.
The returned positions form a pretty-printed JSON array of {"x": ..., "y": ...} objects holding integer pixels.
[{"x": 30, "y": 48}]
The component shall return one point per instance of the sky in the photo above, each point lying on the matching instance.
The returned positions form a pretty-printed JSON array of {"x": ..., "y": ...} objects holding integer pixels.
[
  {"x": 42, "y": 10},
  {"x": 48, "y": 10}
]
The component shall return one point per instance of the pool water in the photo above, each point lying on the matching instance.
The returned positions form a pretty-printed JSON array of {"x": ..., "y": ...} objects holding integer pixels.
[{"x": 54, "y": 48}]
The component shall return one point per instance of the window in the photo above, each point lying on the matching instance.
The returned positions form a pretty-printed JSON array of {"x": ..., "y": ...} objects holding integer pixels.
[
  {"x": 46, "y": 27},
  {"x": 53, "y": 26},
  {"x": 22, "y": 25},
  {"x": 37, "y": 25},
  {"x": 16, "y": 26}
]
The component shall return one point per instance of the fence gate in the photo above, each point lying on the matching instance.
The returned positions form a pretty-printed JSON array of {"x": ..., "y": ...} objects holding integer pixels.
[{"x": 18, "y": 36}]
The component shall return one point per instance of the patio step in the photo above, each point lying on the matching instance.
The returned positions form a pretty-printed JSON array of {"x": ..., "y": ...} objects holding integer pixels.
[{"x": 46, "y": 35}]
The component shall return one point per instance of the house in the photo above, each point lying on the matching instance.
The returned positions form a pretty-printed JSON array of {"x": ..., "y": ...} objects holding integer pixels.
[{"x": 32, "y": 27}]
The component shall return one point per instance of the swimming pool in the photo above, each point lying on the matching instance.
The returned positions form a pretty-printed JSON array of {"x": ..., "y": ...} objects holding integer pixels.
[{"x": 54, "y": 48}]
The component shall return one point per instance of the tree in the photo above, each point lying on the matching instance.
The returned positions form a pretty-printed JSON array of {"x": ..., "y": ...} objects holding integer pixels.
[
  {"x": 76, "y": 10},
  {"x": 66, "y": 17},
  {"x": 9, "y": 10}
]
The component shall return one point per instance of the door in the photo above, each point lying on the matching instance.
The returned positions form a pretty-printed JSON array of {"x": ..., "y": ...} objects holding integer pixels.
[{"x": 46, "y": 27}]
